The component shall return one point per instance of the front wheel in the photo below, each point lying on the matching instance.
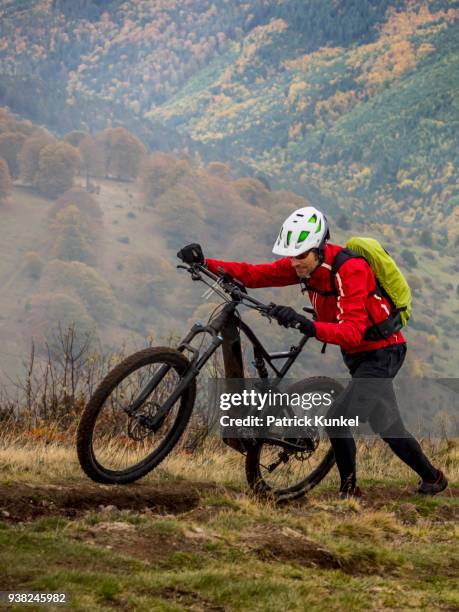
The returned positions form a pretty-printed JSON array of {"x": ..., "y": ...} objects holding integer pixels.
[
  {"x": 281, "y": 474},
  {"x": 115, "y": 447}
]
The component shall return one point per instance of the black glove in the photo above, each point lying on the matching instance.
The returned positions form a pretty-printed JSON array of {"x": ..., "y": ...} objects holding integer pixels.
[
  {"x": 288, "y": 317},
  {"x": 191, "y": 253}
]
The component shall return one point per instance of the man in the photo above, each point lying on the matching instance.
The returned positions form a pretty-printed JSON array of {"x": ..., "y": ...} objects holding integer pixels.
[{"x": 346, "y": 315}]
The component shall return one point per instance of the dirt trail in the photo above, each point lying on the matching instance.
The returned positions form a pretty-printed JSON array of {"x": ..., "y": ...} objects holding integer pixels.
[
  {"x": 25, "y": 502},
  {"x": 178, "y": 518}
]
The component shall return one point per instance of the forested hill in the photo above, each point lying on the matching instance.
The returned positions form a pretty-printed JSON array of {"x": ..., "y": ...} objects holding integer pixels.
[{"x": 354, "y": 102}]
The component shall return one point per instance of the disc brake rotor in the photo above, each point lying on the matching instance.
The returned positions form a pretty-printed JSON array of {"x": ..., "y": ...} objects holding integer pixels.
[{"x": 137, "y": 430}]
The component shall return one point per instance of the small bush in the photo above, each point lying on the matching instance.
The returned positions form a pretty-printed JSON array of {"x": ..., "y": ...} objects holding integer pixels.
[
  {"x": 415, "y": 282},
  {"x": 409, "y": 258},
  {"x": 343, "y": 222},
  {"x": 33, "y": 265}
]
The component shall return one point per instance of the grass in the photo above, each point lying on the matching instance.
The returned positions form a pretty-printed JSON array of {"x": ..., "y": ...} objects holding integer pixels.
[
  {"x": 387, "y": 571},
  {"x": 42, "y": 462},
  {"x": 231, "y": 552}
]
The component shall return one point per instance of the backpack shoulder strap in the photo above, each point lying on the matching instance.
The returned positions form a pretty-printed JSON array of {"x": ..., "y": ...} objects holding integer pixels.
[
  {"x": 340, "y": 258},
  {"x": 346, "y": 254}
]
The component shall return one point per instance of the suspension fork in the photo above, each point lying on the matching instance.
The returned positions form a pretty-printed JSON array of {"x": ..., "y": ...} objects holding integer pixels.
[{"x": 196, "y": 364}]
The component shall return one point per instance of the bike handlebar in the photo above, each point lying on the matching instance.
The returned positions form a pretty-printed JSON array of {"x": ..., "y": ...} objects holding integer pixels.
[{"x": 232, "y": 287}]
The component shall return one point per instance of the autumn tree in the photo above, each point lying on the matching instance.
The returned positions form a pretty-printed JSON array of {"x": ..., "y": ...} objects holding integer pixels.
[
  {"x": 72, "y": 242},
  {"x": 160, "y": 173},
  {"x": 220, "y": 170},
  {"x": 10, "y": 146},
  {"x": 30, "y": 155},
  {"x": 49, "y": 312},
  {"x": 149, "y": 278},
  {"x": 57, "y": 165},
  {"x": 182, "y": 215},
  {"x": 79, "y": 197},
  {"x": 253, "y": 191},
  {"x": 123, "y": 153},
  {"x": 92, "y": 154},
  {"x": 85, "y": 282},
  {"x": 5, "y": 181}
]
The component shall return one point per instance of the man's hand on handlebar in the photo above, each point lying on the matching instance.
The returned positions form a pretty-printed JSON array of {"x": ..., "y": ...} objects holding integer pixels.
[
  {"x": 288, "y": 317},
  {"x": 191, "y": 254}
]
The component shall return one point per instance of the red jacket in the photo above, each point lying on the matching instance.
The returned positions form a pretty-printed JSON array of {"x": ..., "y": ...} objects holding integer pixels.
[{"x": 341, "y": 319}]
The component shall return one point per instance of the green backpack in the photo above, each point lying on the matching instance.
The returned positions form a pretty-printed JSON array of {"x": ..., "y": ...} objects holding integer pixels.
[{"x": 390, "y": 283}]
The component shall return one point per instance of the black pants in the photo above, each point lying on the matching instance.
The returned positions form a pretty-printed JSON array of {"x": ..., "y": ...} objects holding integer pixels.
[{"x": 370, "y": 395}]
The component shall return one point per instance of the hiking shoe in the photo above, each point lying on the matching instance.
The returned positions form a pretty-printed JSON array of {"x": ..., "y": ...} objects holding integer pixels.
[
  {"x": 432, "y": 488},
  {"x": 349, "y": 489}
]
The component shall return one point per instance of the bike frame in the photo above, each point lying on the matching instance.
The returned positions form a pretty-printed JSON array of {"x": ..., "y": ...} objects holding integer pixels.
[{"x": 225, "y": 331}]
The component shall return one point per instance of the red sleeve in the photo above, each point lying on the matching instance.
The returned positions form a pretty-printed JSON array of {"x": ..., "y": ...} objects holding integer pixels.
[
  {"x": 352, "y": 285},
  {"x": 276, "y": 274}
]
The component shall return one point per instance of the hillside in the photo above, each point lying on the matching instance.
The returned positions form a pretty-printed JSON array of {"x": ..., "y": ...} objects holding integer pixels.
[
  {"x": 135, "y": 255},
  {"x": 352, "y": 104},
  {"x": 102, "y": 254},
  {"x": 368, "y": 128}
]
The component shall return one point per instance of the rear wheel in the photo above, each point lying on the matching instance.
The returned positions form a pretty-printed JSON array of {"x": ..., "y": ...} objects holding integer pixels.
[
  {"x": 117, "y": 448},
  {"x": 280, "y": 473}
]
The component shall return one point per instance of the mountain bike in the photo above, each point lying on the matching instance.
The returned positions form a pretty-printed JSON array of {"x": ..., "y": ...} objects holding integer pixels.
[{"x": 141, "y": 408}]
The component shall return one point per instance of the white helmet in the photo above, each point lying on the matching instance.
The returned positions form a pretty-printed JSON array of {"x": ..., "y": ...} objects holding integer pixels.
[{"x": 305, "y": 229}]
